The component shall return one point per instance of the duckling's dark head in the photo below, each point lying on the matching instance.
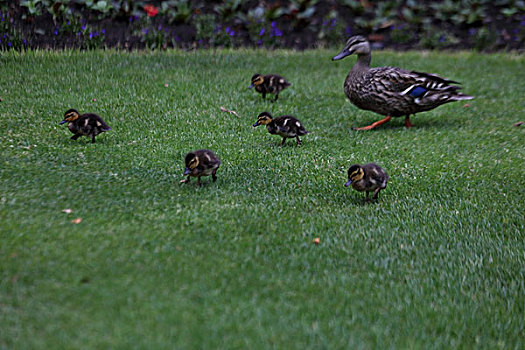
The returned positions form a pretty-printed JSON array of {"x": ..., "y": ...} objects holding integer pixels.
[
  {"x": 191, "y": 161},
  {"x": 70, "y": 115},
  {"x": 257, "y": 79},
  {"x": 356, "y": 44},
  {"x": 355, "y": 173},
  {"x": 263, "y": 119}
]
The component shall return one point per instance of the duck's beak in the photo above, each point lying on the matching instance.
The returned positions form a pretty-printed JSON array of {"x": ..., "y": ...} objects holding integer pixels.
[
  {"x": 341, "y": 55},
  {"x": 256, "y": 124},
  {"x": 187, "y": 171},
  {"x": 63, "y": 121},
  {"x": 348, "y": 183},
  {"x": 251, "y": 86}
]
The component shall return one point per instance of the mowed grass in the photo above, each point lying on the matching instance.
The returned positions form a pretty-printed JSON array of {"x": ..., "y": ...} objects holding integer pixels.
[{"x": 437, "y": 262}]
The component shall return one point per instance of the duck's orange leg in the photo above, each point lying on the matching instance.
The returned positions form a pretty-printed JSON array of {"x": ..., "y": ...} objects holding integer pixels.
[
  {"x": 376, "y": 124},
  {"x": 408, "y": 124}
]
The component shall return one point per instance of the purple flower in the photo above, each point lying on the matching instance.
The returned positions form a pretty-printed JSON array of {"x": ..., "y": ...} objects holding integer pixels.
[
  {"x": 522, "y": 23},
  {"x": 95, "y": 34},
  {"x": 471, "y": 31},
  {"x": 159, "y": 27},
  {"x": 277, "y": 32},
  {"x": 78, "y": 34},
  {"x": 177, "y": 38},
  {"x": 56, "y": 32},
  {"x": 200, "y": 41},
  {"x": 90, "y": 35},
  {"x": 442, "y": 39},
  {"x": 103, "y": 31},
  {"x": 229, "y": 31},
  {"x": 24, "y": 41},
  {"x": 259, "y": 42},
  {"x": 333, "y": 22},
  {"x": 261, "y": 33},
  {"x": 9, "y": 44},
  {"x": 145, "y": 31},
  {"x": 68, "y": 22},
  {"x": 273, "y": 24},
  {"x": 83, "y": 27}
]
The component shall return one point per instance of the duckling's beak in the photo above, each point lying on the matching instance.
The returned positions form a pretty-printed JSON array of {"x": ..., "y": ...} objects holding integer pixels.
[
  {"x": 256, "y": 124},
  {"x": 187, "y": 171},
  {"x": 251, "y": 86},
  {"x": 348, "y": 183},
  {"x": 341, "y": 55},
  {"x": 63, "y": 121}
]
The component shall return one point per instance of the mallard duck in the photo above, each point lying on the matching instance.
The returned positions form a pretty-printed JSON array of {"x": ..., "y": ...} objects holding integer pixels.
[
  {"x": 285, "y": 126},
  {"x": 269, "y": 84},
  {"x": 88, "y": 124},
  {"x": 391, "y": 91},
  {"x": 369, "y": 177},
  {"x": 199, "y": 163}
]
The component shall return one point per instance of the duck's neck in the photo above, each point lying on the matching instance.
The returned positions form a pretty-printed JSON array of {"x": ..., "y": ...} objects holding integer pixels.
[{"x": 363, "y": 63}]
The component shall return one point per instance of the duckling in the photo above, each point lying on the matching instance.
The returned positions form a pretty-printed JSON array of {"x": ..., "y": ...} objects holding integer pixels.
[
  {"x": 84, "y": 124},
  {"x": 285, "y": 126},
  {"x": 199, "y": 163},
  {"x": 269, "y": 84},
  {"x": 369, "y": 177}
]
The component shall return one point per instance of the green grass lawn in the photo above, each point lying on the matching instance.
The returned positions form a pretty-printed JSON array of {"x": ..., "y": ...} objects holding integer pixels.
[{"x": 438, "y": 262}]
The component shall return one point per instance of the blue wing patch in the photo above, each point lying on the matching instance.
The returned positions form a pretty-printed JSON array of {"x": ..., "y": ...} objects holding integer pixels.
[{"x": 418, "y": 91}]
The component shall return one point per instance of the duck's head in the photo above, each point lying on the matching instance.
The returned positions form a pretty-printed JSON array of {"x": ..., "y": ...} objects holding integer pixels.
[
  {"x": 70, "y": 115},
  {"x": 191, "y": 161},
  {"x": 355, "y": 173},
  {"x": 263, "y": 119},
  {"x": 355, "y": 45},
  {"x": 257, "y": 79}
]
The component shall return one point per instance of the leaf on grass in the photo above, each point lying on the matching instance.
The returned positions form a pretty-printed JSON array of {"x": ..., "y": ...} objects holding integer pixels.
[
  {"x": 466, "y": 105},
  {"x": 67, "y": 211},
  {"x": 229, "y": 111},
  {"x": 166, "y": 85},
  {"x": 77, "y": 220},
  {"x": 518, "y": 124},
  {"x": 316, "y": 240},
  {"x": 94, "y": 100}
]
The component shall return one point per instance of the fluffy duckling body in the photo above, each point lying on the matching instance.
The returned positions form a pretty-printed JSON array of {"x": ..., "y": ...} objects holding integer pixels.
[
  {"x": 199, "y": 163},
  {"x": 285, "y": 126},
  {"x": 392, "y": 91},
  {"x": 88, "y": 124},
  {"x": 369, "y": 177},
  {"x": 269, "y": 84}
]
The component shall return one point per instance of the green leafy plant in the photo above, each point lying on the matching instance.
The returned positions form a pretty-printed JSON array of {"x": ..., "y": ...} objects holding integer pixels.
[{"x": 10, "y": 37}]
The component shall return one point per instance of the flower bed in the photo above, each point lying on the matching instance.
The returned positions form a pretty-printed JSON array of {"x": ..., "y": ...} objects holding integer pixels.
[{"x": 300, "y": 24}]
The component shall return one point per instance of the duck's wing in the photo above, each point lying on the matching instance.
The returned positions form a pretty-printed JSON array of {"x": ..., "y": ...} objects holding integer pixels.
[{"x": 419, "y": 88}]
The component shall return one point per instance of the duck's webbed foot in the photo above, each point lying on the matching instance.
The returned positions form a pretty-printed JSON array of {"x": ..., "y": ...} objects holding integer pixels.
[{"x": 375, "y": 125}]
